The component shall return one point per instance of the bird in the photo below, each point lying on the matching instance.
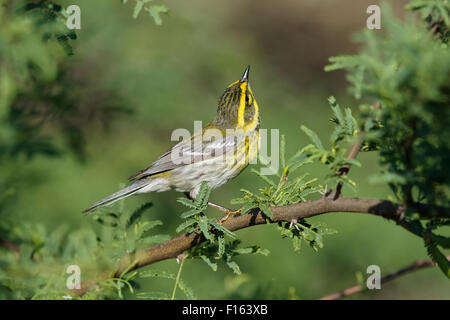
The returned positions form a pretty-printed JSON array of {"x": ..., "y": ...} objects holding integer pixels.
[{"x": 215, "y": 154}]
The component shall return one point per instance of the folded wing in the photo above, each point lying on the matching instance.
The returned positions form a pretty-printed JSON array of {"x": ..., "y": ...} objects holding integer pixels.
[{"x": 205, "y": 145}]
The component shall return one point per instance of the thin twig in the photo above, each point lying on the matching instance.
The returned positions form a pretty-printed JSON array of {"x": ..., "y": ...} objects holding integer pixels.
[
  {"x": 418, "y": 265},
  {"x": 435, "y": 26},
  {"x": 177, "y": 280},
  {"x": 351, "y": 154}
]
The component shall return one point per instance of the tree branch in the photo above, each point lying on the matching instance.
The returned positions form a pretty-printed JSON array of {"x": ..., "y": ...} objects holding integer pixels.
[
  {"x": 418, "y": 265},
  {"x": 173, "y": 247}
]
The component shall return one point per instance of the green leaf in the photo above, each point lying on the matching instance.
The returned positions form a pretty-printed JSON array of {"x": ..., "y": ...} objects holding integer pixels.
[
  {"x": 201, "y": 200},
  {"x": 190, "y": 213},
  {"x": 266, "y": 209},
  {"x": 156, "y": 11},
  {"x": 352, "y": 162},
  {"x": 263, "y": 177},
  {"x": 296, "y": 244},
  {"x": 63, "y": 41},
  {"x": 142, "y": 227},
  {"x": 138, "y": 8},
  {"x": 188, "y": 292},
  {"x": 313, "y": 136},
  {"x": 153, "y": 295},
  {"x": 247, "y": 207},
  {"x": 299, "y": 164},
  {"x": 210, "y": 263},
  {"x": 108, "y": 220},
  {"x": 343, "y": 61},
  {"x": 222, "y": 228},
  {"x": 138, "y": 213},
  {"x": 444, "y": 242},
  {"x": 441, "y": 260},
  {"x": 221, "y": 243},
  {"x": 238, "y": 201},
  {"x": 157, "y": 274},
  {"x": 234, "y": 266},
  {"x": 186, "y": 224},
  {"x": 336, "y": 110},
  {"x": 186, "y": 202},
  {"x": 203, "y": 225},
  {"x": 251, "y": 250}
]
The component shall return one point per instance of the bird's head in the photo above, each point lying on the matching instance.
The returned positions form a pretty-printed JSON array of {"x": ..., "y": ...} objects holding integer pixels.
[{"x": 237, "y": 106}]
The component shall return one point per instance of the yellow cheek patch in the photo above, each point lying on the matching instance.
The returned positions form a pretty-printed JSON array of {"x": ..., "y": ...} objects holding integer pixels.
[
  {"x": 254, "y": 123},
  {"x": 241, "y": 108}
]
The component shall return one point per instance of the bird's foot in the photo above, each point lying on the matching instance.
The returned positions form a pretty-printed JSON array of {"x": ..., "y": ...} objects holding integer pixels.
[
  {"x": 228, "y": 214},
  {"x": 325, "y": 192}
]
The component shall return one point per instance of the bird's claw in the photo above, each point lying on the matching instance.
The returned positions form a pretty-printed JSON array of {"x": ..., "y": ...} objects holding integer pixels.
[
  {"x": 228, "y": 214},
  {"x": 324, "y": 192}
]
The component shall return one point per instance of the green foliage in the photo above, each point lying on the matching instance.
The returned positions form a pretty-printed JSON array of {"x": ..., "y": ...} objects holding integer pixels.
[
  {"x": 179, "y": 283},
  {"x": 37, "y": 269},
  {"x": 210, "y": 228},
  {"x": 199, "y": 204},
  {"x": 23, "y": 63},
  {"x": 439, "y": 258},
  {"x": 41, "y": 112},
  {"x": 217, "y": 247},
  {"x": 51, "y": 17},
  {"x": 414, "y": 113},
  {"x": 345, "y": 132},
  {"x": 287, "y": 190},
  {"x": 436, "y": 13},
  {"x": 406, "y": 69},
  {"x": 126, "y": 233},
  {"x": 211, "y": 252},
  {"x": 155, "y": 11},
  {"x": 311, "y": 234}
]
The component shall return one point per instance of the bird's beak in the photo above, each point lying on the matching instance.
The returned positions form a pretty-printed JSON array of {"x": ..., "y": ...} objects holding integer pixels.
[{"x": 245, "y": 75}]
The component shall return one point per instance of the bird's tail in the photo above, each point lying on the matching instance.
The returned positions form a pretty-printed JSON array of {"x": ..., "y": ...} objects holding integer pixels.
[{"x": 123, "y": 193}]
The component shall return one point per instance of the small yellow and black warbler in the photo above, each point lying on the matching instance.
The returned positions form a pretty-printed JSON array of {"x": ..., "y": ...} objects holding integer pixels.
[{"x": 216, "y": 154}]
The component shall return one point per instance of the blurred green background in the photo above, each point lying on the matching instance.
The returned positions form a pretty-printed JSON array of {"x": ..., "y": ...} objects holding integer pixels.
[{"x": 173, "y": 74}]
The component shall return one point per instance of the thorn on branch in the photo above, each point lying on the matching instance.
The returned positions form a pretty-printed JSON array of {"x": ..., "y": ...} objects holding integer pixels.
[{"x": 294, "y": 223}]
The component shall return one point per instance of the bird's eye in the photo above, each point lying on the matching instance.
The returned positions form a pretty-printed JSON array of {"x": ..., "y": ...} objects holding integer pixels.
[{"x": 247, "y": 99}]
